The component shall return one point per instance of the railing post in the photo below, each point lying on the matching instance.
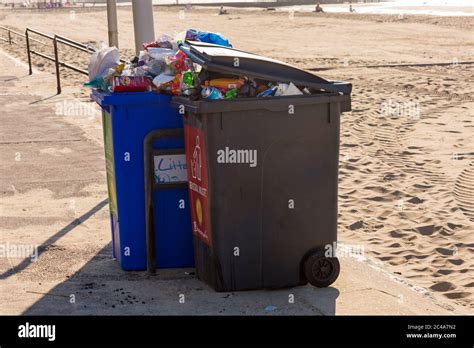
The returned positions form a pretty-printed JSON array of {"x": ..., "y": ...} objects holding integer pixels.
[
  {"x": 56, "y": 61},
  {"x": 28, "y": 51},
  {"x": 10, "y": 37}
]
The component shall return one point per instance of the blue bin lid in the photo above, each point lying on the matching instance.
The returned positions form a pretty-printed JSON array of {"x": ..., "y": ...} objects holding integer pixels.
[{"x": 106, "y": 99}]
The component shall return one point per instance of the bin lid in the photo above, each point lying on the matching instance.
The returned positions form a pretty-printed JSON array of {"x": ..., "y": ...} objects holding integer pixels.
[
  {"x": 107, "y": 99},
  {"x": 232, "y": 61}
]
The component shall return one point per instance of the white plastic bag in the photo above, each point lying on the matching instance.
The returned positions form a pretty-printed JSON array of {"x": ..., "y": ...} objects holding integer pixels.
[{"x": 103, "y": 59}]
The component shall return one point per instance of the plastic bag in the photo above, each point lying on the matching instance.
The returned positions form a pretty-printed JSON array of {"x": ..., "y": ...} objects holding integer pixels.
[
  {"x": 203, "y": 36},
  {"x": 103, "y": 59},
  {"x": 213, "y": 38}
]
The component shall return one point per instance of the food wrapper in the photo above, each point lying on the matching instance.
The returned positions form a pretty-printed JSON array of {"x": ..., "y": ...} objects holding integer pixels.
[{"x": 131, "y": 84}]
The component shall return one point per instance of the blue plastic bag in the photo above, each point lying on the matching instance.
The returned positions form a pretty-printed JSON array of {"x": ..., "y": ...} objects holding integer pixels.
[{"x": 213, "y": 38}]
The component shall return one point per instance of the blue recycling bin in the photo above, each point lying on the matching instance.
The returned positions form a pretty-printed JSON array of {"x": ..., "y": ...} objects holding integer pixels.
[{"x": 127, "y": 119}]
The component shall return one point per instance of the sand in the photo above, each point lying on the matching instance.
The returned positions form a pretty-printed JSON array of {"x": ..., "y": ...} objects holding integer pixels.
[{"x": 407, "y": 156}]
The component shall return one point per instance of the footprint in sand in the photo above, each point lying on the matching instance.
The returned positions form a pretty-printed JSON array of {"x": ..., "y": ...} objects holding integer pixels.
[
  {"x": 446, "y": 251},
  {"x": 456, "y": 262},
  {"x": 464, "y": 191},
  {"x": 397, "y": 234},
  {"x": 443, "y": 286},
  {"x": 457, "y": 295},
  {"x": 415, "y": 200},
  {"x": 427, "y": 230}
]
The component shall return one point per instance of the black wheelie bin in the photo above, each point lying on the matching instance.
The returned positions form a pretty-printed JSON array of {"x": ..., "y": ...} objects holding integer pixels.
[{"x": 263, "y": 175}]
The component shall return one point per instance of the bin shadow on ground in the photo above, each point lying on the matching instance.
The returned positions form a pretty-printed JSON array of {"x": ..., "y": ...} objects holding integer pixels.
[
  {"x": 100, "y": 287},
  {"x": 54, "y": 238}
]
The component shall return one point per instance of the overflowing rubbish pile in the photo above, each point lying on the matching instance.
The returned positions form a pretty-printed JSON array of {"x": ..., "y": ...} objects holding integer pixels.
[{"x": 162, "y": 67}]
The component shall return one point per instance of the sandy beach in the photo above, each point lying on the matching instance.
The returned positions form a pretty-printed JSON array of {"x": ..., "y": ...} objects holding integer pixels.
[{"x": 406, "y": 190}]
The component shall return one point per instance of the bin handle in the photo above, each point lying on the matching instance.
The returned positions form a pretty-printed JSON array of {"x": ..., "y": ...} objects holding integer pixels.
[{"x": 173, "y": 133}]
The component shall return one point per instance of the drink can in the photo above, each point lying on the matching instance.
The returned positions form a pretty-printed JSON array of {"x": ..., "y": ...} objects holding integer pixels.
[{"x": 211, "y": 93}]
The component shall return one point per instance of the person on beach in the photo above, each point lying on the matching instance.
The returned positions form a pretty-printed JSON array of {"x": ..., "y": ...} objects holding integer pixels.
[
  {"x": 222, "y": 11},
  {"x": 318, "y": 8},
  {"x": 351, "y": 9}
]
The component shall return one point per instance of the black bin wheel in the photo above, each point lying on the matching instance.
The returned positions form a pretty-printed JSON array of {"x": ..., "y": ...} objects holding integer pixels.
[{"x": 321, "y": 271}]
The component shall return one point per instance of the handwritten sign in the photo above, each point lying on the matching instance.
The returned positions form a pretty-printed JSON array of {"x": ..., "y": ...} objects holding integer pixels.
[{"x": 170, "y": 168}]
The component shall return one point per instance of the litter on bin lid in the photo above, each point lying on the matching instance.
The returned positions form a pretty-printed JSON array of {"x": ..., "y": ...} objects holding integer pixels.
[
  {"x": 203, "y": 36},
  {"x": 201, "y": 65},
  {"x": 213, "y": 38}
]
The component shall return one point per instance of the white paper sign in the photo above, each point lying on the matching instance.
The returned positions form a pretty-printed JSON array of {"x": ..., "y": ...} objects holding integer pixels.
[{"x": 170, "y": 168}]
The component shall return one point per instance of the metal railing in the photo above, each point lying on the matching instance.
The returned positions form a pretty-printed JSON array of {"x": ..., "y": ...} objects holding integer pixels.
[
  {"x": 57, "y": 63},
  {"x": 9, "y": 37},
  {"x": 55, "y": 40}
]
